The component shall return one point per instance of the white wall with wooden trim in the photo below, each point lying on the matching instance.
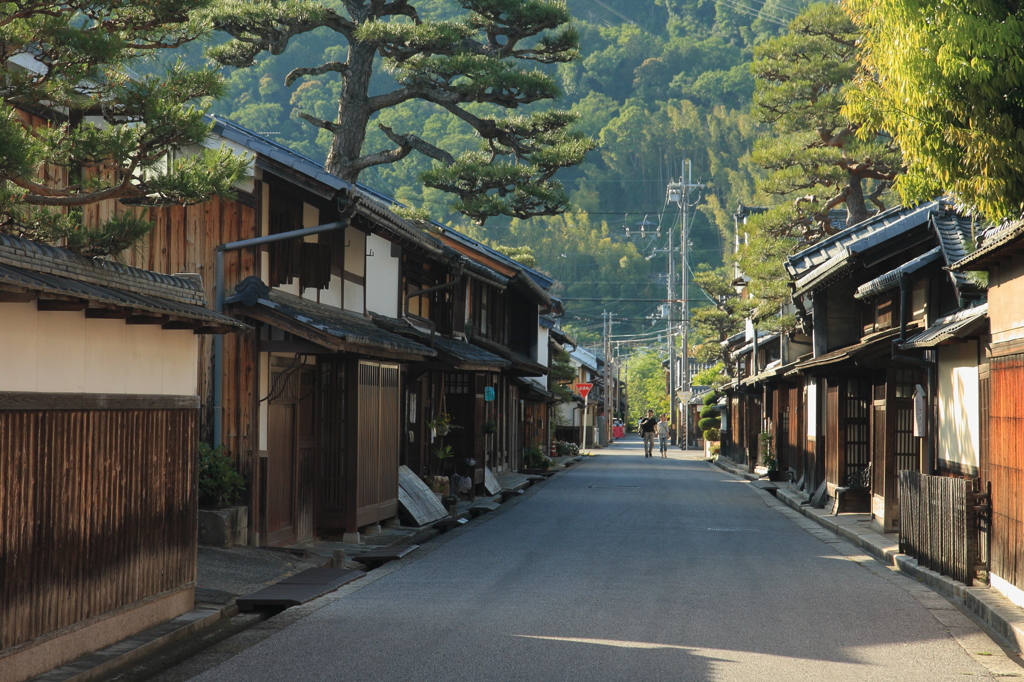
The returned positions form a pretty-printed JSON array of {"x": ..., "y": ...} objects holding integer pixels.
[
  {"x": 63, "y": 352},
  {"x": 958, "y": 414}
]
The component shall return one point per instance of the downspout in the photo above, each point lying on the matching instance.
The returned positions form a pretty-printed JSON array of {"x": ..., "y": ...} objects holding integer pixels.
[
  {"x": 218, "y": 341},
  {"x": 927, "y": 365}
]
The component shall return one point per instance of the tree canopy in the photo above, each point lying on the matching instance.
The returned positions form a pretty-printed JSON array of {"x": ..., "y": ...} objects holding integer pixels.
[
  {"x": 477, "y": 66},
  {"x": 815, "y": 155},
  {"x": 946, "y": 80},
  {"x": 79, "y": 126}
]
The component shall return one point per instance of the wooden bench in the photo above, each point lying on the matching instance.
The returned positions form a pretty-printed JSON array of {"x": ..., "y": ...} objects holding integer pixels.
[
  {"x": 379, "y": 557},
  {"x": 855, "y": 496}
]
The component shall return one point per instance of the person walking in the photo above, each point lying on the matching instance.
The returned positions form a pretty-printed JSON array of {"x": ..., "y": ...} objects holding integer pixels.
[
  {"x": 648, "y": 426},
  {"x": 663, "y": 434}
]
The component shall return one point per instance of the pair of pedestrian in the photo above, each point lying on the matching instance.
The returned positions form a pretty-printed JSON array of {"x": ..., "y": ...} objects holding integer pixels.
[{"x": 649, "y": 427}]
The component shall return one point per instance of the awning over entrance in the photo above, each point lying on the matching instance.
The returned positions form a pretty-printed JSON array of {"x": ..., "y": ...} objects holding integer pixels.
[
  {"x": 326, "y": 326},
  {"x": 950, "y": 329},
  {"x": 867, "y": 348},
  {"x": 520, "y": 364},
  {"x": 454, "y": 352}
]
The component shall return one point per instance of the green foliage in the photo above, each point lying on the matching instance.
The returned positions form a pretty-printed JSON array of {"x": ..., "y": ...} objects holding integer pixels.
[
  {"x": 533, "y": 458},
  {"x": 712, "y": 398},
  {"x": 815, "y": 153},
  {"x": 943, "y": 78},
  {"x": 220, "y": 483},
  {"x": 714, "y": 376},
  {"x": 471, "y": 68},
  {"x": 647, "y": 387},
  {"x": 713, "y": 433},
  {"x": 709, "y": 423},
  {"x": 768, "y": 457},
  {"x": 444, "y": 452},
  {"x": 561, "y": 374},
  {"x": 113, "y": 132}
]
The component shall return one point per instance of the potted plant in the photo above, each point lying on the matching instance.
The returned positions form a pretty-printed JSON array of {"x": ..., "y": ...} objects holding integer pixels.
[
  {"x": 768, "y": 458},
  {"x": 490, "y": 426},
  {"x": 441, "y": 424},
  {"x": 223, "y": 522}
]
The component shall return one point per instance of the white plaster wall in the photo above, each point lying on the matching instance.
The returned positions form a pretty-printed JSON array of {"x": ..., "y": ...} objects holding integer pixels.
[
  {"x": 63, "y": 352},
  {"x": 355, "y": 263},
  {"x": 20, "y": 354},
  {"x": 382, "y": 277},
  {"x": 959, "y": 420},
  {"x": 332, "y": 294}
]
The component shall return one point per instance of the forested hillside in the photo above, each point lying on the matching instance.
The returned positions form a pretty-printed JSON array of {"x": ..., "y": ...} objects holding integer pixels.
[{"x": 656, "y": 82}]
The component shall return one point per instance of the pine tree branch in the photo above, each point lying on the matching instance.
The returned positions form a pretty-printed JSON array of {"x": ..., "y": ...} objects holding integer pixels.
[
  {"x": 319, "y": 122},
  {"x": 294, "y": 74}
]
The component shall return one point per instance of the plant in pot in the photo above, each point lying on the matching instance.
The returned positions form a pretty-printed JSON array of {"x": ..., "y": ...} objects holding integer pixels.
[
  {"x": 222, "y": 523},
  {"x": 710, "y": 422},
  {"x": 768, "y": 458},
  {"x": 490, "y": 426},
  {"x": 441, "y": 424},
  {"x": 451, "y": 499}
]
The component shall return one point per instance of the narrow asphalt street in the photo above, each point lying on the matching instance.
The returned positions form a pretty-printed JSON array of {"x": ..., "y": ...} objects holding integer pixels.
[{"x": 626, "y": 568}]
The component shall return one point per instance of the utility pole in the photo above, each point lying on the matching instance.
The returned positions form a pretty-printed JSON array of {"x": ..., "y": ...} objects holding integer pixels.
[
  {"x": 679, "y": 193},
  {"x": 673, "y": 425},
  {"x": 605, "y": 335}
]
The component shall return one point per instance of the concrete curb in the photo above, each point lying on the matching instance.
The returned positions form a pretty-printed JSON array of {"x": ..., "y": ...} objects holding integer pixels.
[{"x": 997, "y": 613}]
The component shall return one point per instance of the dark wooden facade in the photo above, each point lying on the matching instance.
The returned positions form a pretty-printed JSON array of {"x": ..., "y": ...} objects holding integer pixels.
[
  {"x": 97, "y": 510},
  {"x": 1003, "y": 468}
]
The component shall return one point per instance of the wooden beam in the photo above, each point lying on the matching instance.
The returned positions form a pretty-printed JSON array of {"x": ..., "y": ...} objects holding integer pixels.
[
  {"x": 108, "y": 313},
  {"x": 17, "y": 296},
  {"x": 181, "y": 324},
  {"x": 61, "y": 305},
  {"x": 11, "y": 400},
  {"x": 146, "y": 319}
]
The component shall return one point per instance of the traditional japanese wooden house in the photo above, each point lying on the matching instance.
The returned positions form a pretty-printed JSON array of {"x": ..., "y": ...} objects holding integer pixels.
[
  {"x": 863, "y": 291},
  {"x": 99, "y": 424},
  {"x": 1001, "y": 387}
]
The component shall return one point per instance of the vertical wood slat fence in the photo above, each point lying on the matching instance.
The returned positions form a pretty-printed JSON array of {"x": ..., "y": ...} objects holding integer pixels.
[
  {"x": 939, "y": 523},
  {"x": 97, "y": 511}
]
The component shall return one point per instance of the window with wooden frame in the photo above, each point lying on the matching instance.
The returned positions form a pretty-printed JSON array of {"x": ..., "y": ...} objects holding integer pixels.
[
  {"x": 489, "y": 313},
  {"x": 418, "y": 275}
]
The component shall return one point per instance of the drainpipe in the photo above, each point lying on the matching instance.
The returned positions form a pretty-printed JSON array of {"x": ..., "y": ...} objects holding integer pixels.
[{"x": 218, "y": 341}]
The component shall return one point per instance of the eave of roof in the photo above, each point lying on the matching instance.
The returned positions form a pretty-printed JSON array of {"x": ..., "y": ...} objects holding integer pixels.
[
  {"x": 41, "y": 268},
  {"x": 891, "y": 279},
  {"x": 875, "y": 230},
  {"x": 950, "y": 328},
  {"x": 852, "y": 352},
  {"x": 332, "y": 328},
  {"x": 1007, "y": 241},
  {"x": 521, "y": 365},
  {"x": 457, "y": 353}
]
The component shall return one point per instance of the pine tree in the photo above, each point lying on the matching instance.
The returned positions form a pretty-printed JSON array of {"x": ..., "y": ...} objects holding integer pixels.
[
  {"x": 815, "y": 152},
  {"x": 79, "y": 125},
  {"x": 478, "y": 68}
]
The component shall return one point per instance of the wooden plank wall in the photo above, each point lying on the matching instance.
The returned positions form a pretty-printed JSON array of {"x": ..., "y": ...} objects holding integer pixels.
[
  {"x": 937, "y": 523},
  {"x": 1005, "y": 467},
  {"x": 97, "y": 511},
  {"x": 184, "y": 240}
]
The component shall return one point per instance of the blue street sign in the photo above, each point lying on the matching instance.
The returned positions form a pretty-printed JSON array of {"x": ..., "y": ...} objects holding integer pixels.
[{"x": 488, "y": 393}]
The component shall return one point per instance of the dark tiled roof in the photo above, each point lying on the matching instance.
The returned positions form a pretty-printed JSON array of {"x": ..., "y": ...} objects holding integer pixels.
[
  {"x": 891, "y": 279},
  {"x": 955, "y": 326},
  {"x": 252, "y": 294},
  {"x": 866, "y": 345},
  {"x": 993, "y": 242},
  {"x": 875, "y": 230},
  {"x": 43, "y": 268},
  {"x": 521, "y": 364},
  {"x": 463, "y": 353}
]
